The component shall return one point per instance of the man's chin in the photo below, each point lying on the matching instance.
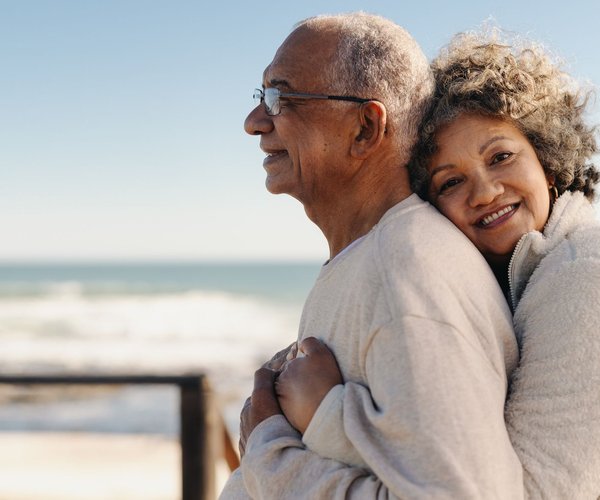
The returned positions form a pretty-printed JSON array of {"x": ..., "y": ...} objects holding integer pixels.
[{"x": 275, "y": 186}]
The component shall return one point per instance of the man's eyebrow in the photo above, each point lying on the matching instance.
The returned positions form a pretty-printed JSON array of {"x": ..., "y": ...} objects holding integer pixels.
[
  {"x": 486, "y": 144},
  {"x": 279, "y": 83}
]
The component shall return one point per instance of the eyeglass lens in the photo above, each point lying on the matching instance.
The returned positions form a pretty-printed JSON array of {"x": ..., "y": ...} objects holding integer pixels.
[
  {"x": 270, "y": 97},
  {"x": 272, "y": 101}
]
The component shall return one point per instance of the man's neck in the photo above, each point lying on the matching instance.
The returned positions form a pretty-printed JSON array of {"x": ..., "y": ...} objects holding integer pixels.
[{"x": 355, "y": 212}]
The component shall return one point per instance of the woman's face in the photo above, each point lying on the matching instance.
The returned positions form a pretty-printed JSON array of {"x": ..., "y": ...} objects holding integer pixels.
[{"x": 487, "y": 179}]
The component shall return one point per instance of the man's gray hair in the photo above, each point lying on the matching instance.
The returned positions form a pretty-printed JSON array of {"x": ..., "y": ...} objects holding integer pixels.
[{"x": 378, "y": 59}]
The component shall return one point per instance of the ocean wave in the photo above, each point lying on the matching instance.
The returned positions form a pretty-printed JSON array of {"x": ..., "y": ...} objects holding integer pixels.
[
  {"x": 225, "y": 336},
  {"x": 160, "y": 331},
  {"x": 221, "y": 321}
]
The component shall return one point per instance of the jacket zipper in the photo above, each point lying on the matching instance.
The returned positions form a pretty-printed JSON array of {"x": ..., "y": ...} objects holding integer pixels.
[{"x": 511, "y": 269}]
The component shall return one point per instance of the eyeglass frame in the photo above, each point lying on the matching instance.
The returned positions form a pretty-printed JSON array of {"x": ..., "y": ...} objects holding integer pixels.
[{"x": 260, "y": 94}]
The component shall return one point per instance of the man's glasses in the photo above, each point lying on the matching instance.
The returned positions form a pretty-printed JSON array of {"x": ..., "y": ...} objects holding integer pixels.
[{"x": 272, "y": 98}]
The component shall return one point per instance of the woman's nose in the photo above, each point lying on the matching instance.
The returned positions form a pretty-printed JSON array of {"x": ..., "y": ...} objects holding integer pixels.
[
  {"x": 485, "y": 189},
  {"x": 258, "y": 122}
]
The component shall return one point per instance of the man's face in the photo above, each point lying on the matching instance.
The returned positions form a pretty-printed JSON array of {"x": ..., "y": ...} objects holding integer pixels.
[{"x": 307, "y": 143}]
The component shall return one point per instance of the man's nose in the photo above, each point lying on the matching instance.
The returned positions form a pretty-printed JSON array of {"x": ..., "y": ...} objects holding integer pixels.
[
  {"x": 258, "y": 122},
  {"x": 484, "y": 190}
]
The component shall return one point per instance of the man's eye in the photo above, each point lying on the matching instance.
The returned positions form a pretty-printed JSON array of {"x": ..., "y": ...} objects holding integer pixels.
[
  {"x": 286, "y": 103},
  {"x": 449, "y": 184},
  {"x": 501, "y": 157}
]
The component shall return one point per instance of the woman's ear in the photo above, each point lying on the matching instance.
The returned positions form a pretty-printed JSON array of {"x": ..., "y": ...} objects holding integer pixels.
[
  {"x": 373, "y": 120},
  {"x": 552, "y": 190}
]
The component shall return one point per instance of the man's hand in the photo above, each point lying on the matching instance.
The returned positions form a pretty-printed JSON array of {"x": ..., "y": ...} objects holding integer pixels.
[
  {"x": 305, "y": 381},
  {"x": 261, "y": 405}
]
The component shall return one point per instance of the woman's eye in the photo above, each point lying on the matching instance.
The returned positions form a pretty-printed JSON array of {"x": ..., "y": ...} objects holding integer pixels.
[
  {"x": 501, "y": 157},
  {"x": 448, "y": 184}
]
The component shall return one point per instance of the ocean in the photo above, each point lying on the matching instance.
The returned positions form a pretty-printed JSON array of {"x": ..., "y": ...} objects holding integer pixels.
[{"x": 220, "y": 319}]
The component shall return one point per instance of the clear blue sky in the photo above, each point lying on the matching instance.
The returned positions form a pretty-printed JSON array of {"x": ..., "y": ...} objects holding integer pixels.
[{"x": 121, "y": 120}]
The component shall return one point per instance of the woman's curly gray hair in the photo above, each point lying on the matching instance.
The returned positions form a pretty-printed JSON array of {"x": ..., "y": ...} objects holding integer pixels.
[{"x": 479, "y": 74}]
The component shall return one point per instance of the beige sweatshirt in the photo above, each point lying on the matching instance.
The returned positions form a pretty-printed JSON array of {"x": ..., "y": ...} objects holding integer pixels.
[{"x": 424, "y": 341}]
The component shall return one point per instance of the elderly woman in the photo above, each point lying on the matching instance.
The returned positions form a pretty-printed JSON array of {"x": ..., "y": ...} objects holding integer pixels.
[{"x": 506, "y": 155}]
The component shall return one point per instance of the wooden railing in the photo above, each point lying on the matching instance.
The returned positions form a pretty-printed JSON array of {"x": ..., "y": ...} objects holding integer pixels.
[{"x": 203, "y": 436}]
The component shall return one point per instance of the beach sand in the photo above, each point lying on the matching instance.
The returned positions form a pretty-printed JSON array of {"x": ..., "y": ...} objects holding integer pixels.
[{"x": 87, "y": 466}]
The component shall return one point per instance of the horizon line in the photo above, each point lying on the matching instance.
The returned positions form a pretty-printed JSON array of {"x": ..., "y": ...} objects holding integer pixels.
[{"x": 155, "y": 261}]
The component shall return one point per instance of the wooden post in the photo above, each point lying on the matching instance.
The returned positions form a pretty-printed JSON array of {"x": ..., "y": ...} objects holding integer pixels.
[{"x": 197, "y": 448}]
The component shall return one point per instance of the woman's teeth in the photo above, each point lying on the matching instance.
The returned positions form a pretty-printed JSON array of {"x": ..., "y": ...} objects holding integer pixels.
[{"x": 491, "y": 218}]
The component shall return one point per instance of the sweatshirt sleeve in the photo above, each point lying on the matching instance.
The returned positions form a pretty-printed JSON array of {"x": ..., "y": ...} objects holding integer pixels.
[
  {"x": 325, "y": 433},
  {"x": 431, "y": 426},
  {"x": 553, "y": 411}
]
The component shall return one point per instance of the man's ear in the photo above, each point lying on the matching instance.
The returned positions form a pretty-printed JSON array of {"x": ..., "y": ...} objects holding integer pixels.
[{"x": 373, "y": 119}]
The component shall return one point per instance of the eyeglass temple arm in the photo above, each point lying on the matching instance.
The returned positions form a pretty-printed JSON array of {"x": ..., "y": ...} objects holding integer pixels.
[{"x": 321, "y": 96}]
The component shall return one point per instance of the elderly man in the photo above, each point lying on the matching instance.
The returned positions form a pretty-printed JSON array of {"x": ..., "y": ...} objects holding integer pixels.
[{"x": 420, "y": 330}]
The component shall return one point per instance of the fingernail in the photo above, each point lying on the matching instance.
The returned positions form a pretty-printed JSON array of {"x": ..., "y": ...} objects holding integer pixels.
[{"x": 292, "y": 352}]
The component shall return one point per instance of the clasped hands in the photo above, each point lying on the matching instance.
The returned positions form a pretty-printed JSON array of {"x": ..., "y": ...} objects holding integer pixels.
[{"x": 292, "y": 383}]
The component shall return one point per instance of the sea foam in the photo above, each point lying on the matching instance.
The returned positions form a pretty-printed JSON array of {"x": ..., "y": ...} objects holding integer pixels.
[{"x": 63, "y": 328}]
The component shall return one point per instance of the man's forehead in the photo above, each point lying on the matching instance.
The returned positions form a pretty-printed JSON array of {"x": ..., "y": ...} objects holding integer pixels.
[
  {"x": 282, "y": 76},
  {"x": 300, "y": 60}
]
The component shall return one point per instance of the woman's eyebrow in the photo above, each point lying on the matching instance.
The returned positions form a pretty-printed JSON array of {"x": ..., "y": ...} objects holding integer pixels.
[
  {"x": 441, "y": 168},
  {"x": 484, "y": 146},
  {"x": 487, "y": 143}
]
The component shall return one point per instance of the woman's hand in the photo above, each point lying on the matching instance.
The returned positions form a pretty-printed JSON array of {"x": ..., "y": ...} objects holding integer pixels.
[
  {"x": 278, "y": 360},
  {"x": 305, "y": 381}
]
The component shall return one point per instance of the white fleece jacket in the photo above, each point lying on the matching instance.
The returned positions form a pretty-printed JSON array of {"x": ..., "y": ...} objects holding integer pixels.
[
  {"x": 553, "y": 412},
  {"x": 424, "y": 341}
]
